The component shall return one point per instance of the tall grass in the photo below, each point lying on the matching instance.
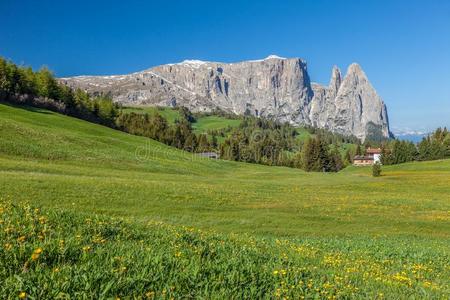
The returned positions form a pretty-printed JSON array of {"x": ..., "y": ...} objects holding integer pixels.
[{"x": 56, "y": 254}]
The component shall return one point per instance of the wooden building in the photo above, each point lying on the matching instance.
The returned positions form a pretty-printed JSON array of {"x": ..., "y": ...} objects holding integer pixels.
[
  {"x": 212, "y": 155},
  {"x": 372, "y": 156}
]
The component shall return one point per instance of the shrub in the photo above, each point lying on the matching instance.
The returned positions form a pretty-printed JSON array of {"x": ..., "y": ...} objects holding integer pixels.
[{"x": 376, "y": 169}]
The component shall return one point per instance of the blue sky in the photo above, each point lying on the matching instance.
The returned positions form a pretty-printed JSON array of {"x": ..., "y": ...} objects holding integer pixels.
[{"x": 403, "y": 46}]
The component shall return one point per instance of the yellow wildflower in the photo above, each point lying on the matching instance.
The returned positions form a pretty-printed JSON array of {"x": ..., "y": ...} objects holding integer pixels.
[
  {"x": 36, "y": 253},
  {"x": 22, "y": 295}
]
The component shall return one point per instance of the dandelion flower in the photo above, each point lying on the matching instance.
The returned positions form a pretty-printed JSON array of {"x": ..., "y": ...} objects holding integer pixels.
[{"x": 22, "y": 295}]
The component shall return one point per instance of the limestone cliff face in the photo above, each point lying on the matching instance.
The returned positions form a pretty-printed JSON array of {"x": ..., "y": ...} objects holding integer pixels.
[
  {"x": 349, "y": 105},
  {"x": 274, "y": 87}
]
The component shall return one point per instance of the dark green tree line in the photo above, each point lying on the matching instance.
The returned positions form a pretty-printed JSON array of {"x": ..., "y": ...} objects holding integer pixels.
[
  {"x": 21, "y": 85},
  {"x": 435, "y": 146}
]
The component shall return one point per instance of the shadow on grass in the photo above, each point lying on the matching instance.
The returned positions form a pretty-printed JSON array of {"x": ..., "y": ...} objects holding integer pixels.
[{"x": 26, "y": 107}]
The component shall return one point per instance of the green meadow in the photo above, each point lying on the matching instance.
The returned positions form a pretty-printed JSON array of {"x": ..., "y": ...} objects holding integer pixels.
[
  {"x": 187, "y": 227},
  {"x": 205, "y": 123}
]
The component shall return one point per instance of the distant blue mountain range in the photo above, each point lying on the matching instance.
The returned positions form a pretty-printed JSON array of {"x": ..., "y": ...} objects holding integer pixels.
[{"x": 415, "y": 138}]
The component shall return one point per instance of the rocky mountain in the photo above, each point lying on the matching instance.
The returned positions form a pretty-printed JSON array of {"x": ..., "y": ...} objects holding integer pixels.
[{"x": 273, "y": 87}]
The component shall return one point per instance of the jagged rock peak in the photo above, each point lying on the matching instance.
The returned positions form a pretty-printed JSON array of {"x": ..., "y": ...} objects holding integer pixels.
[
  {"x": 273, "y": 87},
  {"x": 355, "y": 70},
  {"x": 336, "y": 79}
]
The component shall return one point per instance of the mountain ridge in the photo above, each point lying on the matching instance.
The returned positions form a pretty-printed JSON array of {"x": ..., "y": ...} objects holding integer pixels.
[{"x": 273, "y": 87}]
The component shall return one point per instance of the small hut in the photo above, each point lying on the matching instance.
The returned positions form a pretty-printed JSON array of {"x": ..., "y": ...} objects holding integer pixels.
[{"x": 212, "y": 155}]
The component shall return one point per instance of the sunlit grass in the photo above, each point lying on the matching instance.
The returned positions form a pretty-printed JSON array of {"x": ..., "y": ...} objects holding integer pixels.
[
  {"x": 206, "y": 123},
  {"x": 54, "y": 254},
  {"x": 351, "y": 234}
]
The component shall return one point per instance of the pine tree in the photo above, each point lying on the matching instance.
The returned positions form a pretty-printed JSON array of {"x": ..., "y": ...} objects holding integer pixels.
[
  {"x": 214, "y": 142},
  {"x": 358, "y": 151},
  {"x": 191, "y": 143},
  {"x": 348, "y": 157},
  {"x": 325, "y": 164},
  {"x": 336, "y": 163},
  {"x": 203, "y": 144}
]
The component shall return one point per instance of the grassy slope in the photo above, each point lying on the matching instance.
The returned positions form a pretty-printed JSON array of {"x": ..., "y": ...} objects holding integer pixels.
[
  {"x": 396, "y": 227},
  {"x": 206, "y": 123},
  {"x": 54, "y": 160}
]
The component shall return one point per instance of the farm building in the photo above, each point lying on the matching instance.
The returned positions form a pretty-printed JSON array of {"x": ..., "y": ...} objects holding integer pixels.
[
  {"x": 212, "y": 155},
  {"x": 372, "y": 156}
]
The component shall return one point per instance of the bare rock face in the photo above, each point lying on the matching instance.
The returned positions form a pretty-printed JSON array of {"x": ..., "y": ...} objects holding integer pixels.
[
  {"x": 273, "y": 87},
  {"x": 349, "y": 105}
]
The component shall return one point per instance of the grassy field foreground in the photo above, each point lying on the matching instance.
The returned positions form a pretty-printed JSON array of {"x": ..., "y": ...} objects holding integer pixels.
[
  {"x": 259, "y": 231},
  {"x": 55, "y": 254}
]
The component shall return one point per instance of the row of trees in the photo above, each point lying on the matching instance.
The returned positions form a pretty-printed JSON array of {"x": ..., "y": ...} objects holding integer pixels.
[
  {"x": 332, "y": 137},
  {"x": 434, "y": 146},
  {"x": 262, "y": 141},
  {"x": 21, "y": 85},
  {"x": 268, "y": 142},
  {"x": 256, "y": 140},
  {"x": 179, "y": 135},
  {"x": 317, "y": 155}
]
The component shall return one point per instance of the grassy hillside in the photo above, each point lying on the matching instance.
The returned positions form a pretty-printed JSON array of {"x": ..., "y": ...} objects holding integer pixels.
[
  {"x": 322, "y": 227},
  {"x": 206, "y": 123},
  {"x": 43, "y": 151}
]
